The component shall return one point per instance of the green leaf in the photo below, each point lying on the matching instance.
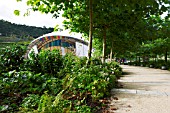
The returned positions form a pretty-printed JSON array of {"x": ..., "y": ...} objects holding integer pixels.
[
  {"x": 18, "y": 0},
  {"x": 17, "y": 12}
]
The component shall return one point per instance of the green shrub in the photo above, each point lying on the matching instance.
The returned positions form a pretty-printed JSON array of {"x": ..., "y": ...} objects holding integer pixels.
[
  {"x": 115, "y": 69},
  {"x": 83, "y": 109},
  {"x": 70, "y": 64},
  {"x": 96, "y": 61},
  {"x": 70, "y": 85},
  {"x": 16, "y": 85},
  {"x": 31, "y": 101},
  {"x": 91, "y": 79},
  {"x": 46, "y": 62},
  {"x": 11, "y": 58}
]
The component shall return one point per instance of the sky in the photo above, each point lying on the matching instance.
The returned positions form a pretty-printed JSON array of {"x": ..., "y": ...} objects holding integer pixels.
[{"x": 38, "y": 19}]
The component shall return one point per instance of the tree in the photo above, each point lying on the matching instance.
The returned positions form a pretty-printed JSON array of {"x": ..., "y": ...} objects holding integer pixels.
[
  {"x": 20, "y": 31},
  {"x": 91, "y": 27},
  {"x": 54, "y": 7},
  {"x": 126, "y": 17},
  {"x": 156, "y": 41}
]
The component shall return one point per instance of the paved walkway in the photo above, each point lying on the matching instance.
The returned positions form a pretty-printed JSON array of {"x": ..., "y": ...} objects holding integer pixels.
[{"x": 144, "y": 90}]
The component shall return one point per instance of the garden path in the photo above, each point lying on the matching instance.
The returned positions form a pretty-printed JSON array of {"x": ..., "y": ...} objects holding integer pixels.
[{"x": 142, "y": 90}]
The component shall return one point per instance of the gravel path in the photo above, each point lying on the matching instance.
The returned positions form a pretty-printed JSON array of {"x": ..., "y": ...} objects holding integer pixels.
[{"x": 144, "y": 90}]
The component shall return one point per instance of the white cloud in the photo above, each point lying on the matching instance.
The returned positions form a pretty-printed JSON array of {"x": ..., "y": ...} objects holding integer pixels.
[{"x": 7, "y": 8}]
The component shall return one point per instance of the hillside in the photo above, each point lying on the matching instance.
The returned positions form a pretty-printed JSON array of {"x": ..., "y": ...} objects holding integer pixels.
[{"x": 9, "y": 29}]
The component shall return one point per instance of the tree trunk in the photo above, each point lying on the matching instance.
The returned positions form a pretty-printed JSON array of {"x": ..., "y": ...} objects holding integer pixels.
[
  {"x": 139, "y": 59},
  {"x": 90, "y": 30},
  {"x": 104, "y": 46},
  {"x": 166, "y": 56},
  {"x": 111, "y": 52}
]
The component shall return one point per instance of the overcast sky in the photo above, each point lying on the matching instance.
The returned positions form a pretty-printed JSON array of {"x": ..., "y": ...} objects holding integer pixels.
[{"x": 38, "y": 19}]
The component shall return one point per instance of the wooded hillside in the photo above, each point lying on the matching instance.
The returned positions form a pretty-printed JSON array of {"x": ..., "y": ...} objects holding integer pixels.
[{"x": 20, "y": 31}]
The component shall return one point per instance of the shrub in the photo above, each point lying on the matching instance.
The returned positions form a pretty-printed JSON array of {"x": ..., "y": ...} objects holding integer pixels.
[
  {"x": 46, "y": 62},
  {"x": 90, "y": 79},
  {"x": 11, "y": 58},
  {"x": 15, "y": 86},
  {"x": 31, "y": 101},
  {"x": 70, "y": 85}
]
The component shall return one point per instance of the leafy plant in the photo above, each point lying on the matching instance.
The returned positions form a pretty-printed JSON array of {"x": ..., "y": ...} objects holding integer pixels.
[
  {"x": 69, "y": 84},
  {"x": 11, "y": 58},
  {"x": 31, "y": 101},
  {"x": 46, "y": 62},
  {"x": 17, "y": 85}
]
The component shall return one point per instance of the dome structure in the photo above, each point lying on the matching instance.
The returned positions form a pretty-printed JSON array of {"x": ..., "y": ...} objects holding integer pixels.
[{"x": 59, "y": 40}]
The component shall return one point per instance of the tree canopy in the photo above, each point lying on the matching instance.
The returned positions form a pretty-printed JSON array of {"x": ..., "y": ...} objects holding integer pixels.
[{"x": 123, "y": 24}]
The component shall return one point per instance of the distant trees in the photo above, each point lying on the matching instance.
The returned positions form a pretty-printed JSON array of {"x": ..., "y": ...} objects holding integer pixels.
[{"x": 8, "y": 29}]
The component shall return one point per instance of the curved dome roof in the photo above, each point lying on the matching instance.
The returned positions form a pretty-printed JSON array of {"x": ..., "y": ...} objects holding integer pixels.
[{"x": 74, "y": 37}]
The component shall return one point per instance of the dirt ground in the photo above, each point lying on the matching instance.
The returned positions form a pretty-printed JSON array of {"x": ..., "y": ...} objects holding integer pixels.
[{"x": 143, "y": 90}]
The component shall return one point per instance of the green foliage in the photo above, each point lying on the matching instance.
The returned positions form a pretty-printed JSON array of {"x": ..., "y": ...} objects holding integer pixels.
[
  {"x": 70, "y": 63},
  {"x": 28, "y": 82},
  {"x": 45, "y": 62},
  {"x": 125, "y": 23},
  {"x": 17, "y": 12},
  {"x": 16, "y": 85},
  {"x": 21, "y": 31},
  {"x": 95, "y": 78},
  {"x": 83, "y": 109},
  {"x": 31, "y": 101},
  {"x": 45, "y": 103},
  {"x": 155, "y": 64},
  {"x": 11, "y": 58},
  {"x": 96, "y": 61},
  {"x": 115, "y": 69},
  {"x": 49, "y": 104},
  {"x": 69, "y": 84},
  {"x": 88, "y": 80}
]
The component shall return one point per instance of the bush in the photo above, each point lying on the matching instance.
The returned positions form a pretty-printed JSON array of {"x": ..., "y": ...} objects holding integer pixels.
[
  {"x": 46, "y": 62},
  {"x": 11, "y": 58},
  {"x": 115, "y": 69},
  {"x": 15, "y": 86},
  {"x": 89, "y": 80},
  {"x": 31, "y": 101},
  {"x": 70, "y": 85}
]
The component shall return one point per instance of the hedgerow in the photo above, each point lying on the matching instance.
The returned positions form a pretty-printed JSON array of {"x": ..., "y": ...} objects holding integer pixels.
[{"x": 48, "y": 82}]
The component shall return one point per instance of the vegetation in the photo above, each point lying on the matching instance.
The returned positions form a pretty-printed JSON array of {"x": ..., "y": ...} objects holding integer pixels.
[
  {"x": 155, "y": 51},
  {"x": 11, "y": 33},
  {"x": 9, "y": 29},
  {"x": 48, "y": 82},
  {"x": 112, "y": 23}
]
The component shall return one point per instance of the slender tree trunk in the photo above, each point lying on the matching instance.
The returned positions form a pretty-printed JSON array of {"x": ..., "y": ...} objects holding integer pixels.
[
  {"x": 104, "y": 46},
  {"x": 90, "y": 30},
  {"x": 166, "y": 56},
  {"x": 111, "y": 52}
]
